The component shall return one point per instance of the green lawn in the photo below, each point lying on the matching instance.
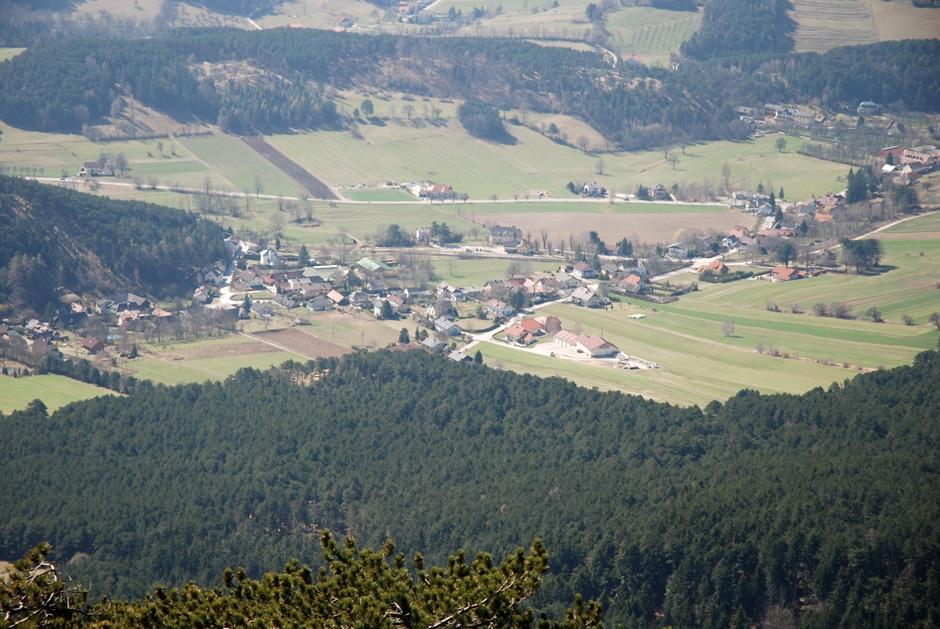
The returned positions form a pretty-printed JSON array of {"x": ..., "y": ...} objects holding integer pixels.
[
  {"x": 478, "y": 272},
  {"x": 54, "y": 391}
]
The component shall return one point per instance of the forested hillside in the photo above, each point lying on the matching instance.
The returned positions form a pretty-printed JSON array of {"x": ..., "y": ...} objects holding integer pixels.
[
  {"x": 823, "y": 507},
  {"x": 55, "y": 240},
  {"x": 60, "y": 86},
  {"x": 734, "y": 27}
]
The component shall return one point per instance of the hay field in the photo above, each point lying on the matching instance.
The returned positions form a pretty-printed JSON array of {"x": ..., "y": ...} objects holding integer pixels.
[{"x": 825, "y": 24}]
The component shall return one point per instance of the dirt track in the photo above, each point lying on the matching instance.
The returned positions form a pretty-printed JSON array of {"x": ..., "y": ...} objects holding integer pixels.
[{"x": 298, "y": 173}]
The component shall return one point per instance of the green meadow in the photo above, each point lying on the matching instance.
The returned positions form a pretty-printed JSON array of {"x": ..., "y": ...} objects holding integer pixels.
[
  {"x": 402, "y": 151},
  {"x": 699, "y": 363},
  {"x": 54, "y": 391}
]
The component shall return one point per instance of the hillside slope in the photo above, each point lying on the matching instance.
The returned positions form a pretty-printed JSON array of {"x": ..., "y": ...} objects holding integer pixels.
[{"x": 56, "y": 240}]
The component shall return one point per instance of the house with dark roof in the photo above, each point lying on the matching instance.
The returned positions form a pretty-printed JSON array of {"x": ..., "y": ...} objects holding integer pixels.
[
  {"x": 92, "y": 345},
  {"x": 585, "y": 297},
  {"x": 500, "y": 235},
  {"x": 583, "y": 270},
  {"x": 433, "y": 345}
]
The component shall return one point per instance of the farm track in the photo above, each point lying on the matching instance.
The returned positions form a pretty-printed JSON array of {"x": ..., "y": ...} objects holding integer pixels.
[{"x": 298, "y": 173}]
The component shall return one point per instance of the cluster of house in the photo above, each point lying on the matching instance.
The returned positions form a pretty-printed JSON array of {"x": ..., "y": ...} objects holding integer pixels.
[
  {"x": 740, "y": 238},
  {"x": 822, "y": 210},
  {"x": 528, "y": 331},
  {"x": 429, "y": 191},
  {"x": 35, "y": 335},
  {"x": 752, "y": 202},
  {"x": 40, "y": 337},
  {"x": 130, "y": 308},
  {"x": 413, "y": 12},
  {"x": 771, "y": 113},
  {"x": 907, "y": 166}
]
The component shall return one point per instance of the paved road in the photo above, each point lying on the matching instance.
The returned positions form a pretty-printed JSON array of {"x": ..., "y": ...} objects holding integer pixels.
[{"x": 110, "y": 183}]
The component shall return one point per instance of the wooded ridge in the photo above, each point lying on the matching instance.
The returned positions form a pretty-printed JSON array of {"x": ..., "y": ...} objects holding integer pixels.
[{"x": 61, "y": 86}]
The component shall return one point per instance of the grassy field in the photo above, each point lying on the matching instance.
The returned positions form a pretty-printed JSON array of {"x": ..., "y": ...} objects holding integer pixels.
[
  {"x": 405, "y": 152},
  {"x": 233, "y": 161},
  {"x": 54, "y": 391},
  {"x": 651, "y": 34},
  {"x": 478, "y": 272},
  {"x": 9, "y": 53},
  {"x": 824, "y": 24}
]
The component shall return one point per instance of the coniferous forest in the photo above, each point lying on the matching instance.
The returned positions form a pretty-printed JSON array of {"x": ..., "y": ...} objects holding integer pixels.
[
  {"x": 66, "y": 84},
  {"x": 821, "y": 509},
  {"x": 57, "y": 239}
]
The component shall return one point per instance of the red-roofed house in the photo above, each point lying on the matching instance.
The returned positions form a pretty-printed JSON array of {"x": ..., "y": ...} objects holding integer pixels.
[
  {"x": 517, "y": 334},
  {"x": 532, "y": 326},
  {"x": 784, "y": 274},
  {"x": 337, "y": 297},
  {"x": 715, "y": 266}
]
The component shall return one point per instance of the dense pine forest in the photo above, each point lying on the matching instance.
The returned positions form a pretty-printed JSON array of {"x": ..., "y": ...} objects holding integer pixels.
[
  {"x": 56, "y": 240},
  {"x": 822, "y": 509},
  {"x": 63, "y": 85}
]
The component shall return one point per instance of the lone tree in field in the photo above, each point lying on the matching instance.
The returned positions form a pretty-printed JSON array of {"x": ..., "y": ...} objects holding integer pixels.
[
  {"x": 934, "y": 318},
  {"x": 781, "y": 144},
  {"x": 727, "y": 327},
  {"x": 367, "y": 108}
]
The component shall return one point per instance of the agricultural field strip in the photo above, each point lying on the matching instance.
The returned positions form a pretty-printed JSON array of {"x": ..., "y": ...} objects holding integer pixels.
[{"x": 807, "y": 326}]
